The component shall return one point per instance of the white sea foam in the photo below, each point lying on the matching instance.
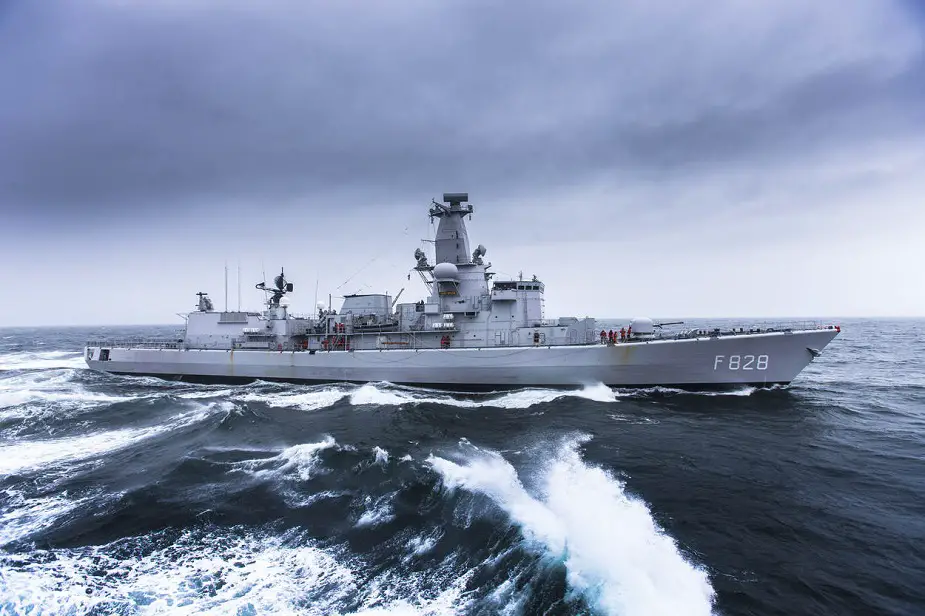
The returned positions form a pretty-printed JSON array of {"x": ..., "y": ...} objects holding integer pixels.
[
  {"x": 379, "y": 513},
  {"x": 214, "y": 574},
  {"x": 38, "y": 394},
  {"x": 673, "y": 391},
  {"x": 371, "y": 394},
  {"x": 384, "y": 394},
  {"x": 25, "y": 516},
  {"x": 221, "y": 573},
  {"x": 25, "y": 455},
  {"x": 305, "y": 401},
  {"x": 301, "y": 461},
  {"x": 420, "y": 545},
  {"x": 403, "y": 594},
  {"x": 75, "y": 397},
  {"x": 381, "y": 455},
  {"x": 614, "y": 553},
  {"x": 201, "y": 395},
  {"x": 379, "y": 395},
  {"x": 42, "y": 360}
]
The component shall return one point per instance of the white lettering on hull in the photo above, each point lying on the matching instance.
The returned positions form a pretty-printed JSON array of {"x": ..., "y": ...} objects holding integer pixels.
[{"x": 742, "y": 362}]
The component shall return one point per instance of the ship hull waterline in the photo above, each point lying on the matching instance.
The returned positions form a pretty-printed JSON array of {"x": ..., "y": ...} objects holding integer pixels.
[{"x": 763, "y": 359}]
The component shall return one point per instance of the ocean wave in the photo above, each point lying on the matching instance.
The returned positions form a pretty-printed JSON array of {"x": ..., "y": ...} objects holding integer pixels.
[
  {"x": 43, "y": 360},
  {"x": 614, "y": 553},
  {"x": 37, "y": 395},
  {"x": 386, "y": 394},
  {"x": 378, "y": 511},
  {"x": 314, "y": 399},
  {"x": 301, "y": 461},
  {"x": 24, "y": 516},
  {"x": 380, "y": 455},
  {"x": 29, "y": 455},
  {"x": 200, "y": 573},
  {"x": 223, "y": 571}
]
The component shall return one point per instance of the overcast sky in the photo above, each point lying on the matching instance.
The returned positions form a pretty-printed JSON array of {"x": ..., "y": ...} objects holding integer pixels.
[{"x": 678, "y": 158}]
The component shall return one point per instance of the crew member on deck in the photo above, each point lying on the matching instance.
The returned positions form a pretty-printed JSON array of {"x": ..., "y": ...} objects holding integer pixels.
[
  {"x": 629, "y": 332},
  {"x": 603, "y": 336},
  {"x": 622, "y": 334}
]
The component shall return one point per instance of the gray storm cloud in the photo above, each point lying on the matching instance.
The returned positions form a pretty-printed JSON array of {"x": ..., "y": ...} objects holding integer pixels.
[
  {"x": 135, "y": 105},
  {"x": 139, "y": 115}
]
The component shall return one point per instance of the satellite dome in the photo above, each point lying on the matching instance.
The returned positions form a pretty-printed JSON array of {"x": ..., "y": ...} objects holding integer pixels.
[
  {"x": 642, "y": 325},
  {"x": 284, "y": 301},
  {"x": 446, "y": 271}
]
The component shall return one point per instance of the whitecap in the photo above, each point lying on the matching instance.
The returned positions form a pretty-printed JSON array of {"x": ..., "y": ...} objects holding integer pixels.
[
  {"x": 42, "y": 360},
  {"x": 380, "y": 514},
  {"x": 24, "y": 455},
  {"x": 201, "y": 395},
  {"x": 300, "y": 460},
  {"x": 37, "y": 394},
  {"x": 211, "y": 574},
  {"x": 420, "y": 545},
  {"x": 386, "y": 394},
  {"x": 372, "y": 395},
  {"x": 381, "y": 455},
  {"x": 614, "y": 553},
  {"x": 25, "y": 516},
  {"x": 305, "y": 401}
]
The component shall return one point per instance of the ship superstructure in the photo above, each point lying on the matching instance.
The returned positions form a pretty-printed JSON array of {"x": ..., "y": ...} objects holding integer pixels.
[{"x": 472, "y": 330}]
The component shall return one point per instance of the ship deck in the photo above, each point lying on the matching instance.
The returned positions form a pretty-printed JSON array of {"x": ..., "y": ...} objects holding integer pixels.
[{"x": 420, "y": 341}]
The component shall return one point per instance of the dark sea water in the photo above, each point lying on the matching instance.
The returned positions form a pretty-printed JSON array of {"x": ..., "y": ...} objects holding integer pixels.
[{"x": 124, "y": 495}]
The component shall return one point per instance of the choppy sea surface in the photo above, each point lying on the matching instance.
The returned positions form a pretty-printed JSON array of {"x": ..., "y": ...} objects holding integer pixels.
[{"x": 126, "y": 495}]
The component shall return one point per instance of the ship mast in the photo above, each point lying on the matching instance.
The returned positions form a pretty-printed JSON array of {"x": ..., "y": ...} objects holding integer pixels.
[{"x": 452, "y": 240}]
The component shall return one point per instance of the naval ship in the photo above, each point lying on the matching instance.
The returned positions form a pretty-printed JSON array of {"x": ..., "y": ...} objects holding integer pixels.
[{"x": 473, "y": 331}]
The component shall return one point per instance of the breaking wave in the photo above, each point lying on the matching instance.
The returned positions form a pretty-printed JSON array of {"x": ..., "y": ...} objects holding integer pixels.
[
  {"x": 299, "y": 460},
  {"x": 615, "y": 554},
  {"x": 316, "y": 397},
  {"x": 24, "y": 516},
  {"x": 29, "y": 455},
  {"x": 51, "y": 388}
]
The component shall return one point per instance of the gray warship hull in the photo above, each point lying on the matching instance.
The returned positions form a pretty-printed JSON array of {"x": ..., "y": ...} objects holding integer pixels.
[
  {"x": 472, "y": 331},
  {"x": 760, "y": 359}
]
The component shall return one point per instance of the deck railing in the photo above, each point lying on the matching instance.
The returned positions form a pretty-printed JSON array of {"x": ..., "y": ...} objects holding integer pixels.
[{"x": 385, "y": 341}]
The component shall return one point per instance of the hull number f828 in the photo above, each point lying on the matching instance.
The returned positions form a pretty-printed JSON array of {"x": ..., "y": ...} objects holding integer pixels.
[{"x": 741, "y": 362}]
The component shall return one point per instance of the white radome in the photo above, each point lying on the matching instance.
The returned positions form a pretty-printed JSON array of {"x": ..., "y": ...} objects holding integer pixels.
[{"x": 446, "y": 271}]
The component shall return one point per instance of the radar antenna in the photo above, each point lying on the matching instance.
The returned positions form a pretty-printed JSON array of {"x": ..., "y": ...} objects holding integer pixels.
[
  {"x": 282, "y": 287},
  {"x": 205, "y": 304},
  {"x": 477, "y": 254},
  {"x": 456, "y": 201}
]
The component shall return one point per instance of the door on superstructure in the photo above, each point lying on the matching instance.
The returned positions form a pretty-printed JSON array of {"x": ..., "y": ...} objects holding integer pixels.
[{"x": 501, "y": 337}]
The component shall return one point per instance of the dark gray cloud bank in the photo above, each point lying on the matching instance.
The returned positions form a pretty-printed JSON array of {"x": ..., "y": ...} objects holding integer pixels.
[{"x": 727, "y": 157}]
